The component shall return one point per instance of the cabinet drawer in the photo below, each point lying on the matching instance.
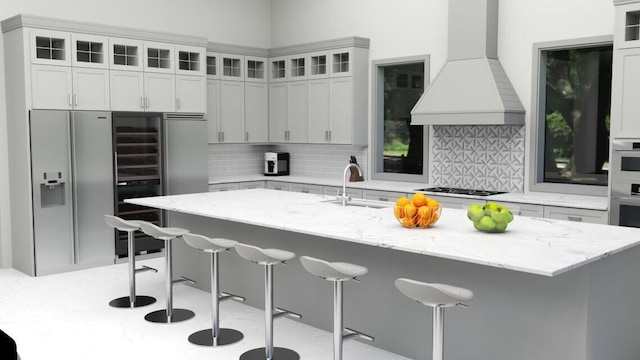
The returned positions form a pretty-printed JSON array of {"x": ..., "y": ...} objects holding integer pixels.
[
  {"x": 337, "y": 191},
  {"x": 223, "y": 187},
  {"x": 278, "y": 185},
  {"x": 524, "y": 209},
  {"x": 307, "y": 189},
  {"x": 573, "y": 214},
  {"x": 455, "y": 202},
  {"x": 251, "y": 185},
  {"x": 376, "y": 195}
]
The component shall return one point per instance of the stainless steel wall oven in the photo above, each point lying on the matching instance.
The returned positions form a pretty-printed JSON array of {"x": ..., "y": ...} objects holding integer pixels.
[{"x": 624, "y": 207}]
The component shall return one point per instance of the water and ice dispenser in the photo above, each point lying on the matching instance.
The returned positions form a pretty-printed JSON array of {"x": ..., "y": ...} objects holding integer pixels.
[{"x": 52, "y": 189}]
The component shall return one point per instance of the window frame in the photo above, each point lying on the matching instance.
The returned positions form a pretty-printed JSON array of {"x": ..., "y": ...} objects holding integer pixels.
[
  {"x": 537, "y": 131},
  {"x": 376, "y": 160}
]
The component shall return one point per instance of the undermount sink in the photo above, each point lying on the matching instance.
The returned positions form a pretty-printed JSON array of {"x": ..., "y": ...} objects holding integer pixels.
[{"x": 362, "y": 203}]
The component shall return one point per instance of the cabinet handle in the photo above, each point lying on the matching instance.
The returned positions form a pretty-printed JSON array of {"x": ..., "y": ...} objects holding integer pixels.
[
  {"x": 305, "y": 191},
  {"x": 177, "y": 103},
  {"x": 222, "y": 133},
  {"x": 141, "y": 102},
  {"x": 146, "y": 102},
  {"x": 246, "y": 136},
  {"x": 75, "y": 99},
  {"x": 326, "y": 135},
  {"x": 383, "y": 199},
  {"x": 329, "y": 135},
  {"x": 70, "y": 103},
  {"x": 574, "y": 218}
]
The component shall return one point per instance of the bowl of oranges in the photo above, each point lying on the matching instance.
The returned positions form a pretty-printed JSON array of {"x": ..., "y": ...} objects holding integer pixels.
[{"x": 420, "y": 211}]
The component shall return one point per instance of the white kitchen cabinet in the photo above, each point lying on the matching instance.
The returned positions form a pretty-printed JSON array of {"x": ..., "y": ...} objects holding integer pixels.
[
  {"x": 251, "y": 185},
  {"x": 159, "y": 58},
  {"x": 341, "y": 114},
  {"x": 318, "y": 65},
  {"x": 573, "y": 214},
  {"x": 337, "y": 191},
  {"x": 89, "y": 51},
  {"x": 341, "y": 62},
  {"x": 278, "y": 185},
  {"x": 627, "y": 26},
  {"x": 223, "y": 187},
  {"x": 297, "y": 66},
  {"x": 190, "y": 60},
  {"x": 377, "y": 195},
  {"x": 306, "y": 188},
  {"x": 319, "y": 111},
  {"x": 213, "y": 65},
  {"x": 90, "y": 89},
  {"x": 50, "y": 47},
  {"x": 213, "y": 110},
  {"x": 297, "y": 112},
  {"x": 255, "y": 69},
  {"x": 455, "y": 202},
  {"x": 278, "y": 69},
  {"x": 624, "y": 93},
  {"x": 160, "y": 92},
  {"x": 278, "y": 112},
  {"x": 256, "y": 112},
  {"x": 67, "y": 88},
  {"x": 125, "y": 54},
  {"x": 231, "y": 111},
  {"x": 191, "y": 94},
  {"x": 232, "y": 67},
  {"x": 520, "y": 209},
  {"x": 127, "y": 90}
]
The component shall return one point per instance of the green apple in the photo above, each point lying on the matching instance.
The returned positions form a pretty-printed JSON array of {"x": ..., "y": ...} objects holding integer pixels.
[
  {"x": 487, "y": 223},
  {"x": 488, "y": 207},
  {"x": 476, "y": 224},
  {"x": 509, "y": 216},
  {"x": 500, "y": 214},
  {"x": 475, "y": 212},
  {"x": 500, "y": 227}
]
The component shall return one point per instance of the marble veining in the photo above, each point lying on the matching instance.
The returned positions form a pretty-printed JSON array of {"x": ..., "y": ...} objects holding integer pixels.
[{"x": 532, "y": 245}]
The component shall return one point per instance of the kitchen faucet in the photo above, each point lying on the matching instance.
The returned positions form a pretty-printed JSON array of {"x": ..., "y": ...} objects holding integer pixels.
[{"x": 345, "y": 198}]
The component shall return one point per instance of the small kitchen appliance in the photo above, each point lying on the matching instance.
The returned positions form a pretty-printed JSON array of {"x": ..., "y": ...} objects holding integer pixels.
[{"x": 276, "y": 163}]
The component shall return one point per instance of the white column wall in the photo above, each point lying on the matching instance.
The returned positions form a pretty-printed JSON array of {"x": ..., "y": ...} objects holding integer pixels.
[{"x": 244, "y": 22}]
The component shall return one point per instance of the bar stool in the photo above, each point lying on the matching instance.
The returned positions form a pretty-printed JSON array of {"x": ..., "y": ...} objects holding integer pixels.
[
  {"x": 214, "y": 336},
  {"x": 439, "y": 297},
  {"x": 268, "y": 258},
  {"x": 167, "y": 234},
  {"x": 133, "y": 300}
]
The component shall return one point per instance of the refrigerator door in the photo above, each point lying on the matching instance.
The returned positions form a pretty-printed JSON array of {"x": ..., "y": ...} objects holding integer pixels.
[
  {"x": 93, "y": 186},
  {"x": 52, "y": 186},
  {"x": 186, "y": 163}
]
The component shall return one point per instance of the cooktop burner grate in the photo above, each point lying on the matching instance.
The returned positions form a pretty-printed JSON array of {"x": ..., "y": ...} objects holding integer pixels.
[{"x": 450, "y": 190}]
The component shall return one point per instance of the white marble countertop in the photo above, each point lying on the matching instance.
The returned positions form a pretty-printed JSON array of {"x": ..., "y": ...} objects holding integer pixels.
[
  {"x": 532, "y": 245},
  {"x": 536, "y": 198}
]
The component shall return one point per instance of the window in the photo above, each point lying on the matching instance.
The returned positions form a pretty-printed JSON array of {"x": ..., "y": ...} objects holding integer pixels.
[
  {"x": 399, "y": 150},
  {"x": 571, "y": 118}
]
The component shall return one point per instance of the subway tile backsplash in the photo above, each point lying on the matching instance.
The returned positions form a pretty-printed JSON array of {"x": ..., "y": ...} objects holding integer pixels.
[{"x": 479, "y": 157}]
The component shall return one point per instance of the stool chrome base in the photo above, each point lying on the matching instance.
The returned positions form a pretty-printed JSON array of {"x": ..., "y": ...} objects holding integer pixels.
[
  {"x": 124, "y": 302},
  {"x": 160, "y": 316},
  {"x": 225, "y": 337},
  {"x": 278, "y": 354}
]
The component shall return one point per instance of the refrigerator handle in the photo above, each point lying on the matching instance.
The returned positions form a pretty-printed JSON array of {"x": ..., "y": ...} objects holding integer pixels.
[{"x": 74, "y": 197}]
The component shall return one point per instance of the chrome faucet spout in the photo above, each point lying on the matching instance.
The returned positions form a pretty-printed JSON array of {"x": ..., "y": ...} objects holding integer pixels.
[{"x": 345, "y": 197}]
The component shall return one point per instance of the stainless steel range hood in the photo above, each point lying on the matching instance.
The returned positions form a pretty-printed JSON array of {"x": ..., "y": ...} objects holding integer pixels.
[{"x": 472, "y": 87}]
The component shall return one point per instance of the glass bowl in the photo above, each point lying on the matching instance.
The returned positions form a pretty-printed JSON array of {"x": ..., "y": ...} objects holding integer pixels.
[{"x": 422, "y": 217}]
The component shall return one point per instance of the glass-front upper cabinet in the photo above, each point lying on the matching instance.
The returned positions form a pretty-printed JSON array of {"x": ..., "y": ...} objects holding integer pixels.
[
  {"x": 158, "y": 57},
  {"x": 50, "y": 47},
  {"x": 125, "y": 54},
  {"x": 190, "y": 60},
  {"x": 341, "y": 62},
  {"x": 232, "y": 67},
  {"x": 89, "y": 51},
  {"x": 278, "y": 69},
  {"x": 627, "y": 31},
  {"x": 256, "y": 69},
  {"x": 213, "y": 65},
  {"x": 297, "y": 67},
  {"x": 318, "y": 65}
]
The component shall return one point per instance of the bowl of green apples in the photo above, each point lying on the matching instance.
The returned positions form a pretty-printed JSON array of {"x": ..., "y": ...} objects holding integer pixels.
[{"x": 490, "y": 217}]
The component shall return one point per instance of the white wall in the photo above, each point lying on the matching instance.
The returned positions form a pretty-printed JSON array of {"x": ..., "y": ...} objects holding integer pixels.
[{"x": 245, "y": 22}]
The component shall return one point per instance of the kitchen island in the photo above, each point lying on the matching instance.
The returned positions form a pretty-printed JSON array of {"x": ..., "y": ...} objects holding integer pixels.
[{"x": 545, "y": 289}]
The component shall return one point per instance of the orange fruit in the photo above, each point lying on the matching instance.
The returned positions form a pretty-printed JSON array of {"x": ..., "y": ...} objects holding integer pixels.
[
  {"x": 433, "y": 203},
  {"x": 419, "y": 199},
  {"x": 424, "y": 212},
  {"x": 408, "y": 222},
  {"x": 402, "y": 201},
  {"x": 398, "y": 212},
  {"x": 410, "y": 210}
]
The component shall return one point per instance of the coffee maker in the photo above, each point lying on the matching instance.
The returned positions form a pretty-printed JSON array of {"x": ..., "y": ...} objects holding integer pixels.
[{"x": 276, "y": 163}]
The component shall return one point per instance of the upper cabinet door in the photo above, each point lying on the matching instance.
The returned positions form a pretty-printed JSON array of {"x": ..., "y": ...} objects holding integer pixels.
[
  {"x": 125, "y": 54},
  {"x": 318, "y": 65},
  {"x": 213, "y": 65},
  {"x": 255, "y": 69},
  {"x": 232, "y": 68},
  {"x": 297, "y": 67},
  {"x": 278, "y": 69},
  {"x": 158, "y": 57},
  {"x": 160, "y": 92},
  {"x": 50, "y": 47},
  {"x": 190, "y": 60},
  {"x": 91, "y": 89},
  {"x": 627, "y": 26},
  {"x": 89, "y": 51},
  {"x": 191, "y": 94},
  {"x": 341, "y": 62},
  {"x": 51, "y": 87}
]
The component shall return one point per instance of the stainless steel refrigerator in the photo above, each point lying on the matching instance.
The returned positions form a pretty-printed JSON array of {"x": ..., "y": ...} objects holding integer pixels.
[{"x": 72, "y": 188}]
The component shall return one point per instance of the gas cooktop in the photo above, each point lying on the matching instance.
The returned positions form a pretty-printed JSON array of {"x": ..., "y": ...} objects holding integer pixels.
[{"x": 450, "y": 190}]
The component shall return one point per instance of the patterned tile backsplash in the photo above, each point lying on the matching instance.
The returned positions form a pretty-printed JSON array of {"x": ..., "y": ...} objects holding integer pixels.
[{"x": 479, "y": 157}]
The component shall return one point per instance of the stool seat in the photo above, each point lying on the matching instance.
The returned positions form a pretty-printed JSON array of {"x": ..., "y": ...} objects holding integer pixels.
[
  {"x": 433, "y": 294},
  {"x": 333, "y": 271},
  {"x": 122, "y": 224},
  {"x": 208, "y": 244},
  {"x": 263, "y": 256},
  {"x": 161, "y": 233}
]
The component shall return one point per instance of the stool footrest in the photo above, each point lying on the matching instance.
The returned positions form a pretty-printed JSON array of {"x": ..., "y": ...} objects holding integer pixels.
[
  {"x": 282, "y": 312},
  {"x": 184, "y": 279},
  {"x": 227, "y": 296},
  {"x": 146, "y": 268},
  {"x": 350, "y": 333}
]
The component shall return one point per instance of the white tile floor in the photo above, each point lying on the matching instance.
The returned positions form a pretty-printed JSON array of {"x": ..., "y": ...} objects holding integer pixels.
[{"x": 66, "y": 316}]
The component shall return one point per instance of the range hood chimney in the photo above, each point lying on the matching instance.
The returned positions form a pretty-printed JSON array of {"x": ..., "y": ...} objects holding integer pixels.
[{"x": 472, "y": 87}]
